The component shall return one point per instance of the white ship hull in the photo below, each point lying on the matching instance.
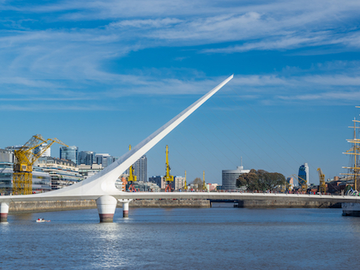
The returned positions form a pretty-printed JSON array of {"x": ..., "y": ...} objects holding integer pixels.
[{"x": 351, "y": 209}]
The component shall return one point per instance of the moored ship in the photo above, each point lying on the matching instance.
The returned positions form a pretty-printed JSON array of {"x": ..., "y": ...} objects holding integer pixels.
[{"x": 353, "y": 209}]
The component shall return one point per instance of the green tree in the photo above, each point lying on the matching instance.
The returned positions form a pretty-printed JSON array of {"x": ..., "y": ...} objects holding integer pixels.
[
  {"x": 260, "y": 180},
  {"x": 198, "y": 181}
]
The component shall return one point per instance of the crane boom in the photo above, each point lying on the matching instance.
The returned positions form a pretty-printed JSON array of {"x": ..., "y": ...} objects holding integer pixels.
[
  {"x": 132, "y": 177},
  {"x": 322, "y": 185},
  {"x": 24, "y": 161},
  {"x": 204, "y": 184},
  {"x": 185, "y": 185},
  {"x": 168, "y": 177}
]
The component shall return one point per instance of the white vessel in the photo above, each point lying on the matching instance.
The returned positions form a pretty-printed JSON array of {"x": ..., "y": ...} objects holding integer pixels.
[
  {"x": 42, "y": 220},
  {"x": 353, "y": 209}
]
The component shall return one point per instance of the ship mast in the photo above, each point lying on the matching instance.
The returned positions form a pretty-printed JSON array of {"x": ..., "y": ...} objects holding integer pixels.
[{"x": 354, "y": 151}]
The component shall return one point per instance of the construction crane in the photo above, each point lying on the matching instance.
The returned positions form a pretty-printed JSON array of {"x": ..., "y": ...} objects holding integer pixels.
[
  {"x": 204, "y": 184},
  {"x": 322, "y": 186},
  {"x": 185, "y": 185},
  {"x": 168, "y": 178},
  {"x": 301, "y": 182},
  {"x": 131, "y": 178},
  {"x": 24, "y": 161}
]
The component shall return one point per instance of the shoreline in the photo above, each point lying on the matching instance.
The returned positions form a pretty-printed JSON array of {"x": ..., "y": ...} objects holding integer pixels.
[{"x": 53, "y": 206}]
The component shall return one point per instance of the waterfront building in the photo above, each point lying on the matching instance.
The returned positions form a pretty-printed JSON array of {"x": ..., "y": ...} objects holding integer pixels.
[
  {"x": 303, "y": 176},
  {"x": 290, "y": 182},
  {"x": 69, "y": 153},
  {"x": 6, "y": 156},
  {"x": 89, "y": 170},
  {"x": 62, "y": 172},
  {"x": 40, "y": 148},
  {"x": 104, "y": 159},
  {"x": 40, "y": 180},
  {"x": 178, "y": 183},
  {"x": 14, "y": 147},
  {"x": 213, "y": 187},
  {"x": 86, "y": 157},
  {"x": 158, "y": 180},
  {"x": 229, "y": 177},
  {"x": 145, "y": 186}
]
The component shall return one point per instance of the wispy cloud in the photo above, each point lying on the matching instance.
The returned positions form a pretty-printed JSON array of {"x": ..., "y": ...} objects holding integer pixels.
[
  {"x": 43, "y": 60},
  {"x": 146, "y": 23}
]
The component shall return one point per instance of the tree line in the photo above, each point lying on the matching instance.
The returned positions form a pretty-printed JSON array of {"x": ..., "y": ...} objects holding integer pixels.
[{"x": 260, "y": 180}]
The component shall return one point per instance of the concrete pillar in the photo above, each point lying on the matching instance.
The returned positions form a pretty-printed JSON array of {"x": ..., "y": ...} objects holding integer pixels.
[
  {"x": 125, "y": 207},
  {"x": 106, "y": 206},
  {"x": 4, "y": 210}
]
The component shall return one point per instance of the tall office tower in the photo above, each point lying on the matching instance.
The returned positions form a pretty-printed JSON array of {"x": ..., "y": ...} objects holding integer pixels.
[
  {"x": 38, "y": 149},
  {"x": 86, "y": 157},
  {"x": 140, "y": 167},
  {"x": 69, "y": 153},
  {"x": 304, "y": 175}
]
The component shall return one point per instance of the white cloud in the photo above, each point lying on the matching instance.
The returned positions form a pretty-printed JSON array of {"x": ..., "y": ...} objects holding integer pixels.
[{"x": 146, "y": 23}]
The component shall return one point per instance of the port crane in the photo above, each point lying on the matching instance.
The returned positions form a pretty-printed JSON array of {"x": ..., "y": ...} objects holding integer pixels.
[
  {"x": 204, "y": 184},
  {"x": 24, "y": 161},
  {"x": 301, "y": 182},
  {"x": 132, "y": 177},
  {"x": 322, "y": 185},
  {"x": 168, "y": 177},
  {"x": 185, "y": 185}
]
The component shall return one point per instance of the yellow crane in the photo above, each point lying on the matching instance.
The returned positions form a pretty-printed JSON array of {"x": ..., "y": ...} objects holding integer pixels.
[
  {"x": 322, "y": 186},
  {"x": 204, "y": 184},
  {"x": 24, "y": 161},
  {"x": 301, "y": 180},
  {"x": 132, "y": 177},
  {"x": 185, "y": 185},
  {"x": 168, "y": 177}
]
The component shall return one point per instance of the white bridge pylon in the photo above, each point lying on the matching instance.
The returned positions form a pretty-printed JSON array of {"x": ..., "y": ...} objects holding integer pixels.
[{"x": 101, "y": 187}]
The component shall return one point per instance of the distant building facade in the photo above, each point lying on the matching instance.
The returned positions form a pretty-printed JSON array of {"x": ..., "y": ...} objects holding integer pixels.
[
  {"x": 86, "y": 157},
  {"x": 69, "y": 153},
  {"x": 178, "y": 183},
  {"x": 145, "y": 186},
  {"x": 89, "y": 170},
  {"x": 62, "y": 172},
  {"x": 40, "y": 180},
  {"x": 40, "y": 148},
  {"x": 229, "y": 177},
  {"x": 6, "y": 156},
  {"x": 158, "y": 180},
  {"x": 104, "y": 159},
  {"x": 140, "y": 169},
  {"x": 290, "y": 182}
]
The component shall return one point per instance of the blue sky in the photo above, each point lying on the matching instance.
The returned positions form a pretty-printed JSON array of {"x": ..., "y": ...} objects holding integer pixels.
[{"x": 103, "y": 75}]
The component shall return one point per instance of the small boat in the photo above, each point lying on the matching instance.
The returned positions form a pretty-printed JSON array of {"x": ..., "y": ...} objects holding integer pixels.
[{"x": 42, "y": 220}]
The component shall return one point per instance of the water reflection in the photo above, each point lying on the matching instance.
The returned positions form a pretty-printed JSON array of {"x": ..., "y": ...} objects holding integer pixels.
[{"x": 183, "y": 238}]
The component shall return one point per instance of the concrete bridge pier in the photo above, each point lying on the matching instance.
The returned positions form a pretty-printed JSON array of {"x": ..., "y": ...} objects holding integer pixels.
[
  {"x": 4, "y": 210},
  {"x": 106, "y": 206},
  {"x": 125, "y": 207}
]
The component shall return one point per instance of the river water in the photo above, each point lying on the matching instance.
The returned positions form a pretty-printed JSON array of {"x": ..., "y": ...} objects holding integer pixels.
[{"x": 211, "y": 238}]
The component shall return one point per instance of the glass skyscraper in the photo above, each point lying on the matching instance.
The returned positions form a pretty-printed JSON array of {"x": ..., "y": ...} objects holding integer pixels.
[
  {"x": 303, "y": 176},
  {"x": 86, "y": 157},
  {"x": 69, "y": 153}
]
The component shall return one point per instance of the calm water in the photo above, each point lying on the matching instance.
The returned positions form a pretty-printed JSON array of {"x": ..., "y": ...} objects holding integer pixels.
[{"x": 214, "y": 238}]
